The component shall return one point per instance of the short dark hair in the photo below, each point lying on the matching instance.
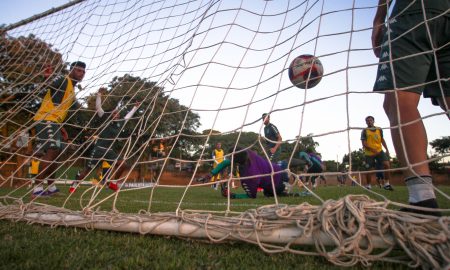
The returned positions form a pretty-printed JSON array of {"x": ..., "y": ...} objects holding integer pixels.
[
  {"x": 370, "y": 116},
  {"x": 264, "y": 115},
  {"x": 77, "y": 64}
]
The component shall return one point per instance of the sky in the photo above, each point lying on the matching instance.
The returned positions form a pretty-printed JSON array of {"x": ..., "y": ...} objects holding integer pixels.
[{"x": 230, "y": 65}]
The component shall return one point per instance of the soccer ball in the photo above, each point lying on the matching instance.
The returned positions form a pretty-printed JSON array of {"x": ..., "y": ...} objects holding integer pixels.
[{"x": 305, "y": 71}]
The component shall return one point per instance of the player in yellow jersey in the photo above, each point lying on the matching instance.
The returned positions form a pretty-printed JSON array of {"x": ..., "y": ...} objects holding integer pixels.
[
  {"x": 218, "y": 157},
  {"x": 373, "y": 143},
  {"x": 53, "y": 111}
]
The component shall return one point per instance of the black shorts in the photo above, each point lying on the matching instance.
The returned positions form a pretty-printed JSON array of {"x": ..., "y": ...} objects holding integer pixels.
[{"x": 416, "y": 62}]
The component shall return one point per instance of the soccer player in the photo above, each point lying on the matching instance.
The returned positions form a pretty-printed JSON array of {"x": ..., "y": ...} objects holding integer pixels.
[
  {"x": 253, "y": 166},
  {"x": 373, "y": 142},
  {"x": 273, "y": 138},
  {"x": 415, "y": 50},
  {"x": 102, "y": 149},
  {"x": 314, "y": 165},
  {"x": 218, "y": 157},
  {"x": 53, "y": 111}
]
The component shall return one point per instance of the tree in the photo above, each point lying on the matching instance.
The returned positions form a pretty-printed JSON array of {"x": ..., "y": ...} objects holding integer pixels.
[
  {"x": 358, "y": 159},
  {"x": 158, "y": 116},
  {"x": 331, "y": 165},
  {"x": 26, "y": 64},
  {"x": 307, "y": 144},
  {"x": 442, "y": 145}
]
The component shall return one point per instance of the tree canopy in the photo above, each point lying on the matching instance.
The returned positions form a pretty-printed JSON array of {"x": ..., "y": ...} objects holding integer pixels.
[{"x": 441, "y": 145}]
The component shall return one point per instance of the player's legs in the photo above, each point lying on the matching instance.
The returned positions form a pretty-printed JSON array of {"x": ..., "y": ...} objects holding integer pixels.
[
  {"x": 48, "y": 149},
  {"x": 93, "y": 160},
  {"x": 411, "y": 54},
  {"x": 382, "y": 162},
  {"x": 411, "y": 132},
  {"x": 370, "y": 165},
  {"x": 117, "y": 172},
  {"x": 409, "y": 128}
]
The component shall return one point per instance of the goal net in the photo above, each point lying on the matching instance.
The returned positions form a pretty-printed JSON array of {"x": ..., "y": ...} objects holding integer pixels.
[{"x": 173, "y": 89}]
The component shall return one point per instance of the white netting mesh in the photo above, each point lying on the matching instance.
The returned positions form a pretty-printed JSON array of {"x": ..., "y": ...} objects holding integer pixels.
[{"x": 202, "y": 72}]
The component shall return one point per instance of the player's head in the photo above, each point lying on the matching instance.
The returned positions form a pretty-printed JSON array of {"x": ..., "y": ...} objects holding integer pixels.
[
  {"x": 239, "y": 155},
  {"x": 370, "y": 120},
  {"x": 266, "y": 118},
  {"x": 218, "y": 145},
  {"x": 77, "y": 71}
]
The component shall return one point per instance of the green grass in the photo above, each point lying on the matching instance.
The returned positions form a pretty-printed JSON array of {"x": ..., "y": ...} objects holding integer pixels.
[{"x": 41, "y": 247}]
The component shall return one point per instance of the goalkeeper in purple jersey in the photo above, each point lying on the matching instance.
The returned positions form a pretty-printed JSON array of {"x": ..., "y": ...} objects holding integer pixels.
[{"x": 257, "y": 172}]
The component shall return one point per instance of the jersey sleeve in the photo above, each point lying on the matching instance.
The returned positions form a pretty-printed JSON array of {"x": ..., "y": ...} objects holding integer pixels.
[
  {"x": 98, "y": 105},
  {"x": 57, "y": 88},
  {"x": 305, "y": 157},
  {"x": 274, "y": 130},
  {"x": 131, "y": 113},
  {"x": 363, "y": 135}
]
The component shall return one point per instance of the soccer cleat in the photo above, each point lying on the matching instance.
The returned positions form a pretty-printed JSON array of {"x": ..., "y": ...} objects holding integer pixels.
[
  {"x": 52, "y": 192},
  {"x": 224, "y": 190},
  {"x": 430, "y": 203},
  {"x": 73, "y": 187},
  {"x": 369, "y": 187},
  {"x": 39, "y": 193},
  {"x": 287, "y": 187},
  {"x": 388, "y": 187},
  {"x": 113, "y": 186},
  {"x": 300, "y": 194}
]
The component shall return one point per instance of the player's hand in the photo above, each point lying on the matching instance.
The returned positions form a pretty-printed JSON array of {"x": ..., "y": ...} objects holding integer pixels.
[
  {"x": 64, "y": 134},
  {"x": 377, "y": 38}
]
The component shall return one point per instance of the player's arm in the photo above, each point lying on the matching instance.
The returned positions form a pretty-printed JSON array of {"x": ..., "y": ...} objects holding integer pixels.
[
  {"x": 279, "y": 139},
  {"x": 306, "y": 158},
  {"x": 378, "y": 25},
  {"x": 64, "y": 134},
  {"x": 214, "y": 158},
  {"x": 98, "y": 102},
  {"x": 383, "y": 142},
  {"x": 131, "y": 113}
]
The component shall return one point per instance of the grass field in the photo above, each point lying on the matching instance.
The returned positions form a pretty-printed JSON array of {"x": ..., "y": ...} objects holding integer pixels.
[{"x": 41, "y": 247}]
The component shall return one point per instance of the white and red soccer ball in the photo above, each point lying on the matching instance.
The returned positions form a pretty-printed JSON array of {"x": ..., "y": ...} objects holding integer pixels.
[{"x": 305, "y": 71}]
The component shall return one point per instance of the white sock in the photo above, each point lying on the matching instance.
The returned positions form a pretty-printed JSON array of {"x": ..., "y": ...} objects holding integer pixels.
[
  {"x": 420, "y": 188},
  {"x": 38, "y": 189}
]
